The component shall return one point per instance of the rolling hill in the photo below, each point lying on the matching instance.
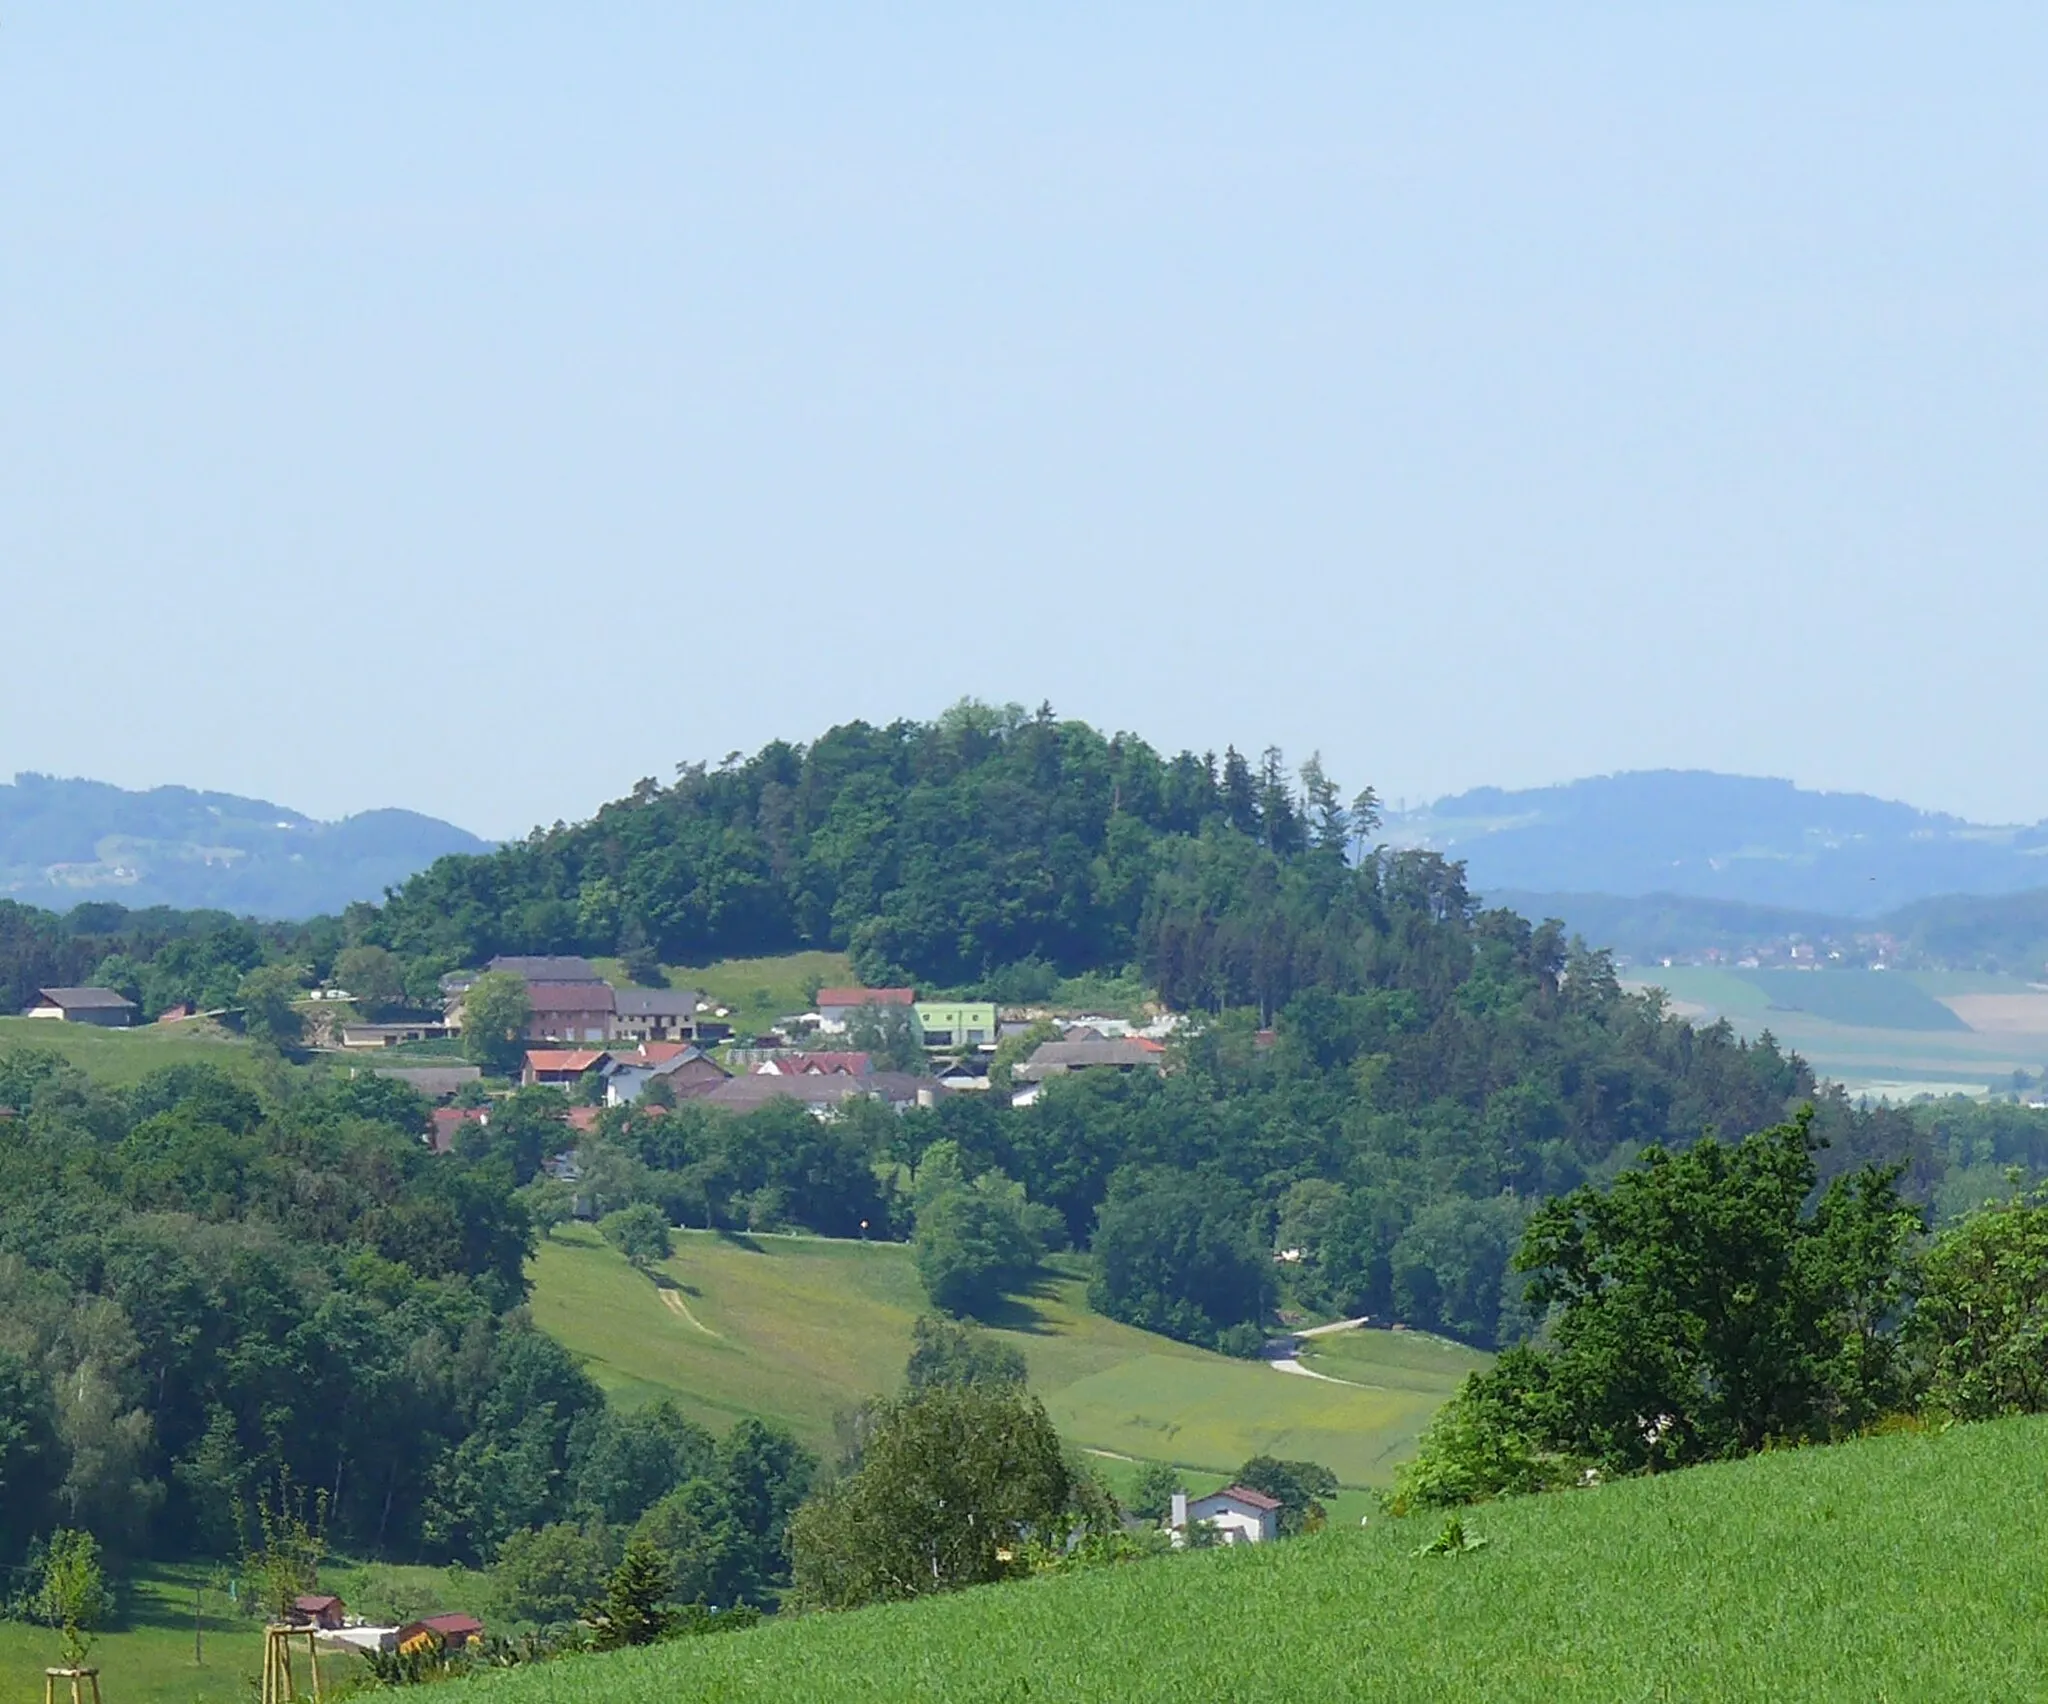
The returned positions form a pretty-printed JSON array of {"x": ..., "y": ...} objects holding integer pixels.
[
  {"x": 1900, "y": 1567},
  {"x": 800, "y": 1328},
  {"x": 67, "y": 842},
  {"x": 1730, "y": 838}
]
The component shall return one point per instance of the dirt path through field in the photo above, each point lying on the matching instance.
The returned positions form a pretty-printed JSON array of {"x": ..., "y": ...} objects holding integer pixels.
[
  {"x": 673, "y": 1301},
  {"x": 1288, "y": 1364}
]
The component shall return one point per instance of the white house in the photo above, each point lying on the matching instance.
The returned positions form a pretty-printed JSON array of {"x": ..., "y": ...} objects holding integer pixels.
[{"x": 1238, "y": 1514}]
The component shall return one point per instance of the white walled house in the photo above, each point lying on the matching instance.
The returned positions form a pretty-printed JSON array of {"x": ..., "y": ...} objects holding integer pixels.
[{"x": 1238, "y": 1514}]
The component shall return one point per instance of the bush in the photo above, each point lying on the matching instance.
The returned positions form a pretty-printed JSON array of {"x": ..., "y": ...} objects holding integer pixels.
[
  {"x": 973, "y": 1247},
  {"x": 944, "y": 1352},
  {"x": 954, "y": 1484},
  {"x": 640, "y": 1233}
]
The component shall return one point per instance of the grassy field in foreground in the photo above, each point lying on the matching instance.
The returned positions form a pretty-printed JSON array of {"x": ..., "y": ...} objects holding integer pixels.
[
  {"x": 1902, "y": 1568},
  {"x": 127, "y": 1056},
  {"x": 799, "y": 1328}
]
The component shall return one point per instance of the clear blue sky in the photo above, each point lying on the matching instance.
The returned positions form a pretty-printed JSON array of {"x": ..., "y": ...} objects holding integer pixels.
[{"x": 478, "y": 407}]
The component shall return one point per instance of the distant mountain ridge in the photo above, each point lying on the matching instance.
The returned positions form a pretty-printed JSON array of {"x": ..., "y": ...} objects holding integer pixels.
[
  {"x": 64, "y": 842},
  {"x": 1734, "y": 838}
]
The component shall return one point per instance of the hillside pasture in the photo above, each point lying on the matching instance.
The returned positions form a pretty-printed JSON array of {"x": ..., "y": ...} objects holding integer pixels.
[
  {"x": 1902, "y": 1567},
  {"x": 801, "y": 1329},
  {"x": 125, "y": 1056}
]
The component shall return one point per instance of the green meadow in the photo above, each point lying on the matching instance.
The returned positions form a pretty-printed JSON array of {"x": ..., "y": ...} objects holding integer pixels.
[
  {"x": 800, "y": 1329},
  {"x": 1912, "y": 1567},
  {"x": 125, "y": 1056}
]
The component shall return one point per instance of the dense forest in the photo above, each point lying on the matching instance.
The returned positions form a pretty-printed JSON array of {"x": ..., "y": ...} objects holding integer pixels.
[
  {"x": 948, "y": 852},
  {"x": 207, "y": 1293}
]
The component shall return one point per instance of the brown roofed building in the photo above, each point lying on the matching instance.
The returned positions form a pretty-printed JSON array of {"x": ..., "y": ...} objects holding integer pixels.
[
  {"x": 105, "y": 1007},
  {"x": 318, "y": 1609},
  {"x": 570, "y": 1011},
  {"x": 439, "y": 1633},
  {"x": 837, "y": 1005},
  {"x": 562, "y": 1066}
]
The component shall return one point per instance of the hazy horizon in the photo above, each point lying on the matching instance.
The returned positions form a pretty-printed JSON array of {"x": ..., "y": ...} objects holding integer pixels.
[{"x": 475, "y": 411}]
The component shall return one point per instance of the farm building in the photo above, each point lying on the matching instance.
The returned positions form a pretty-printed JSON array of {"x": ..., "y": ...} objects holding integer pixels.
[
  {"x": 563, "y": 1066},
  {"x": 318, "y": 1609},
  {"x": 439, "y": 1633},
  {"x": 102, "y": 1006}
]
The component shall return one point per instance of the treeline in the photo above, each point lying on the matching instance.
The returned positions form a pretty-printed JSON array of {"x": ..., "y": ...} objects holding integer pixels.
[
  {"x": 1713, "y": 1303},
  {"x": 158, "y": 957},
  {"x": 206, "y": 1292}
]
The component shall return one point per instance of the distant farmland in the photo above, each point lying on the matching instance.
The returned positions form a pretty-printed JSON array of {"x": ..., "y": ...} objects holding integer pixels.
[{"x": 1892, "y": 1033}]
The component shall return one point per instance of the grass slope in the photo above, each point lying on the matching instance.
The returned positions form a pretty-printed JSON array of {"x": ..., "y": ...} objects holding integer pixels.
[
  {"x": 122, "y": 1057},
  {"x": 799, "y": 1328},
  {"x": 1909, "y": 1567}
]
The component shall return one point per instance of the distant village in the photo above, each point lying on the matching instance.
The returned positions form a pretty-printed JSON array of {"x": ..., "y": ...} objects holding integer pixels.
[{"x": 614, "y": 1042}]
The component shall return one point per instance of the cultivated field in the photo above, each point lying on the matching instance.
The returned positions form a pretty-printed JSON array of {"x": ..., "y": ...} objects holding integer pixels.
[
  {"x": 1892, "y": 1033},
  {"x": 1902, "y": 1568},
  {"x": 802, "y": 1328}
]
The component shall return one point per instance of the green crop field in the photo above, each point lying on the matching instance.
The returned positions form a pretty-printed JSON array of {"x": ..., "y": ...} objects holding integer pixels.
[
  {"x": 127, "y": 1056},
  {"x": 1912, "y": 1567},
  {"x": 801, "y": 1328},
  {"x": 1858, "y": 998}
]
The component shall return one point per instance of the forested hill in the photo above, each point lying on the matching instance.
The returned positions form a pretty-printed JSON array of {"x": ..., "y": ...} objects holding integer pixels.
[
  {"x": 948, "y": 852},
  {"x": 1729, "y": 838},
  {"x": 68, "y": 842}
]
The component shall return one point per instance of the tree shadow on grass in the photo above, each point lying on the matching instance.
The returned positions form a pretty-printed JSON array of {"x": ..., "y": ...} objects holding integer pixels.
[
  {"x": 1021, "y": 1312},
  {"x": 662, "y": 1281},
  {"x": 740, "y": 1239}
]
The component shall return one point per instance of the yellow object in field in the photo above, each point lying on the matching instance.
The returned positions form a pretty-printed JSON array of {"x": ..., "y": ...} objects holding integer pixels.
[{"x": 419, "y": 1642}]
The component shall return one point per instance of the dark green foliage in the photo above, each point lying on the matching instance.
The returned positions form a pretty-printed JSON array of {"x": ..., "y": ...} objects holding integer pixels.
[
  {"x": 1152, "y": 1492},
  {"x": 226, "y": 1289},
  {"x": 974, "y": 1245},
  {"x": 955, "y": 1481},
  {"x": 1981, "y": 1324},
  {"x": 495, "y": 1016},
  {"x": 944, "y": 850},
  {"x": 548, "y": 1575},
  {"x": 1704, "y": 1306},
  {"x": 640, "y": 1233},
  {"x": 265, "y": 996},
  {"x": 635, "y": 1608},
  {"x": 1175, "y": 1253},
  {"x": 30, "y": 1455},
  {"x": 945, "y": 1352}
]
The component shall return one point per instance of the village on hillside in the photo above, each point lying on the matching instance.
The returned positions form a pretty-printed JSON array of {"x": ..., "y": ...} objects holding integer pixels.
[{"x": 587, "y": 1033}]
